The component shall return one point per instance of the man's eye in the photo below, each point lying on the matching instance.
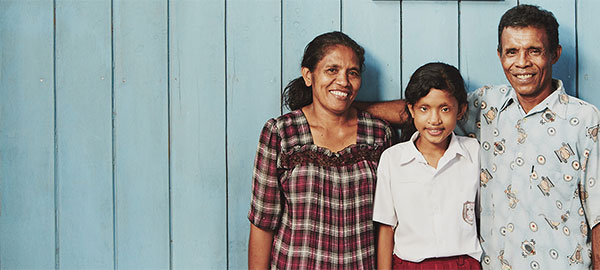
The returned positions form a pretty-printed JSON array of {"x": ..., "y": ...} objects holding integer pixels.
[
  {"x": 445, "y": 109},
  {"x": 354, "y": 73},
  {"x": 331, "y": 70},
  {"x": 423, "y": 109},
  {"x": 535, "y": 52}
]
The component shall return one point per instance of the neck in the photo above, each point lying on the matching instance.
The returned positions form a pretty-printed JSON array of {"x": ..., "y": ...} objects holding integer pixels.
[
  {"x": 324, "y": 117},
  {"x": 529, "y": 102}
]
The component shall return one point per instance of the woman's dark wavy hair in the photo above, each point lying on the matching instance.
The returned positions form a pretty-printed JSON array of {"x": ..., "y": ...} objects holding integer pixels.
[
  {"x": 296, "y": 94},
  {"x": 432, "y": 75},
  {"x": 529, "y": 15}
]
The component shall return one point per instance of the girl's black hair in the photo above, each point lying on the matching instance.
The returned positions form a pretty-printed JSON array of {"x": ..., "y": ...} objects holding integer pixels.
[
  {"x": 296, "y": 94},
  {"x": 432, "y": 75}
]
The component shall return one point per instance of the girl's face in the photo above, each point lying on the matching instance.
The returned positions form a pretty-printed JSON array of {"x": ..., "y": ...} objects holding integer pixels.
[
  {"x": 335, "y": 80},
  {"x": 435, "y": 117}
]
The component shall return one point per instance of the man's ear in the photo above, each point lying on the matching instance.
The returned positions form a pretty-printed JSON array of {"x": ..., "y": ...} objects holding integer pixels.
[
  {"x": 557, "y": 54},
  {"x": 307, "y": 75},
  {"x": 461, "y": 113}
]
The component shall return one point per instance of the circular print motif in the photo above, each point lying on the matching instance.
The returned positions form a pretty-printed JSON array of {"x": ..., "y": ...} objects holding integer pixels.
[
  {"x": 533, "y": 226},
  {"x": 486, "y": 146},
  {"x": 478, "y": 124},
  {"x": 534, "y": 265},
  {"x": 510, "y": 227},
  {"x": 503, "y": 90},
  {"x": 520, "y": 161},
  {"x": 574, "y": 121},
  {"x": 559, "y": 204},
  {"x": 494, "y": 167},
  {"x": 483, "y": 105},
  {"x": 551, "y": 131},
  {"x": 581, "y": 212},
  {"x": 503, "y": 231},
  {"x": 554, "y": 254},
  {"x": 568, "y": 178},
  {"x": 496, "y": 132},
  {"x": 486, "y": 259},
  {"x": 591, "y": 182},
  {"x": 566, "y": 231},
  {"x": 541, "y": 160},
  {"x": 575, "y": 165}
]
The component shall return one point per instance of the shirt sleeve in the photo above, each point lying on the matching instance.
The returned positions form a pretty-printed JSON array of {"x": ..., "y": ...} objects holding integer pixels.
[
  {"x": 383, "y": 205},
  {"x": 589, "y": 173},
  {"x": 468, "y": 125},
  {"x": 265, "y": 207}
]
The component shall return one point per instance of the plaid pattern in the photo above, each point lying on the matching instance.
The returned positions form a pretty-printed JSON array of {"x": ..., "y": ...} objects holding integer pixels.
[{"x": 318, "y": 202}]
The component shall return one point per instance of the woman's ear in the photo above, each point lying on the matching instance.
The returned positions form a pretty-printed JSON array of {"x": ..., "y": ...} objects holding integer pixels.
[
  {"x": 307, "y": 75},
  {"x": 461, "y": 113}
]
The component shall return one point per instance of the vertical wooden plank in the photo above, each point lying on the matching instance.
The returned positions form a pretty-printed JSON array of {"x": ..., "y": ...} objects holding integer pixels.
[
  {"x": 564, "y": 11},
  {"x": 378, "y": 31},
  {"x": 198, "y": 169},
  {"x": 26, "y": 135},
  {"x": 588, "y": 42},
  {"x": 479, "y": 63},
  {"x": 253, "y": 96},
  {"x": 302, "y": 21},
  {"x": 83, "y": 130},
  {"x": 429, "y": 33},
  {"x": 141, "y": 132}
]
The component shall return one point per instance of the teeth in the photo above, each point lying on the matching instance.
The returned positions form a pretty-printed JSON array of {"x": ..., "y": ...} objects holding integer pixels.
[
  {"x": 339, "y": 93},
  {"x": 524, "y": 76}
]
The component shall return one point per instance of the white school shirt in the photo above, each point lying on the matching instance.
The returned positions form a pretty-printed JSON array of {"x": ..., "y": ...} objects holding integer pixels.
[{"x": 431, "y": 209}]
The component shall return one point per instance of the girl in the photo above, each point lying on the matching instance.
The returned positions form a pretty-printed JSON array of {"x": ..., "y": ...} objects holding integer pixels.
[{"x": 427, "y": 186}]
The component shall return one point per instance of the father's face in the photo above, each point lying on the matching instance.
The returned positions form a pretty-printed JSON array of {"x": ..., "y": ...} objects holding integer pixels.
[{"x": 527, "y": 61}]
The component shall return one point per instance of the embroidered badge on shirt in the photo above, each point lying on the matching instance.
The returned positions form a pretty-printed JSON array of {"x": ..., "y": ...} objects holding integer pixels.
[{"x": 468, "y": 212}]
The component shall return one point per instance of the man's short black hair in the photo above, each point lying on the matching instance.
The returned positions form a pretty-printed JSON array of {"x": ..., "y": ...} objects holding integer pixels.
[{"x": 529, "y": 15}]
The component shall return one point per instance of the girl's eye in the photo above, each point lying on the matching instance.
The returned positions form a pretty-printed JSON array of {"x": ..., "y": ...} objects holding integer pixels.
[{"x": 423, "y": 109}]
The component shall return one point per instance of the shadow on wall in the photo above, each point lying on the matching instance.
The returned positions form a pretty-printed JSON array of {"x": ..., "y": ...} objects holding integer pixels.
[{"x": 370, "y": 89}]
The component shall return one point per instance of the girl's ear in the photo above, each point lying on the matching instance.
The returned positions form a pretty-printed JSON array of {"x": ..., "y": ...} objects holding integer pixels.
[
  {"x": 461, "y": 113},
  {"x": 411, "y": 109},
  {"x": 307, "y": 75}
]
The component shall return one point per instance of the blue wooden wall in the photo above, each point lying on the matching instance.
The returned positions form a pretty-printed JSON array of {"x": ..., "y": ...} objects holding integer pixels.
[{"x": 128, "y": 128}]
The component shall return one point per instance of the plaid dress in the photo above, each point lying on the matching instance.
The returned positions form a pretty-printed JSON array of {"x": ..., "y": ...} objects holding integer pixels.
[{"x": 319, "y": 203}]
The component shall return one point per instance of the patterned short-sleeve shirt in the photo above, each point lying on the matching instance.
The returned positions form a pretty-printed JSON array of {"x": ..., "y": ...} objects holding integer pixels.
[
  {"x": 539, "y": 170},
  {"x": 319, "y": 203}
]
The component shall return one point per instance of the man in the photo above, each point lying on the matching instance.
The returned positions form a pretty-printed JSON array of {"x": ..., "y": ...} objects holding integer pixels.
[{"x": 540, "y": 155}]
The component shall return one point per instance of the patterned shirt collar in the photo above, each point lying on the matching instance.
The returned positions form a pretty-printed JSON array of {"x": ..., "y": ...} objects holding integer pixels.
[
  {"x": 556, "y": 102},
  {"x": 454, "y": 148}
]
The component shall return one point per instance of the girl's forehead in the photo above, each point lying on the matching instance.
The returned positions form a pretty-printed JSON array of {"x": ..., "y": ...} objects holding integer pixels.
[{"x": 437, "y": 96}]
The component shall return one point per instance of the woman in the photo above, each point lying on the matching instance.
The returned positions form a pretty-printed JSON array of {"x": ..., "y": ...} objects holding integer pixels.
[{"x": 315, "y": 168}]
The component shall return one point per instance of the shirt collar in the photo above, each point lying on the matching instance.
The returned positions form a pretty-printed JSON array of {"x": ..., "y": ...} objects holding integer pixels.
[
  {"x": 557, "y": 101},
  {"x": 454, "y": 148}
]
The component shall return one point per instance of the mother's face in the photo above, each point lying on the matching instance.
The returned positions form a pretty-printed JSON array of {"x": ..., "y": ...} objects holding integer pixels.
[{"x": 335, "y": 80}]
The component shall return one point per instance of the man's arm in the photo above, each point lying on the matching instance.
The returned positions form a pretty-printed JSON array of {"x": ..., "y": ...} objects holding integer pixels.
[
  {"x": 596, "y": 247},
  {"x": 393, "y": 111},
  {"x": 385, "y": 247},
  {"x": 259, "y": 248}
]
